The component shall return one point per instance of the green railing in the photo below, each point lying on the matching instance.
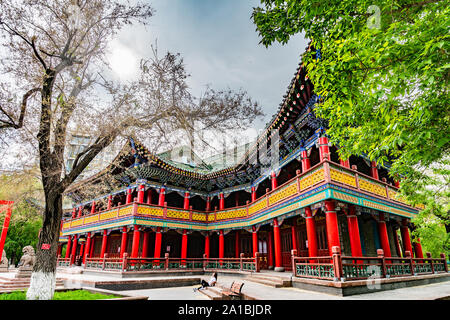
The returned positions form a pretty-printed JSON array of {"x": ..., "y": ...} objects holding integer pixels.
[
  {"x": 238, "y": 264},
  {"x": 320, "y": 271},
  {"x": 398, "y": 270},
  {"x": 339, "y": 267},
  {"x": 353, "y": 272},
  {"x": 167, "y": 263},
  {"x": 105, "y": 263},
  {"x": 314, "y": 267},
  {"x": 63, "y": 262}
]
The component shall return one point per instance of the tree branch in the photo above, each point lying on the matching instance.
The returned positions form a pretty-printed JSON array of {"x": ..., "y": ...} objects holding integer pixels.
[{"x": 23, "y": 106}]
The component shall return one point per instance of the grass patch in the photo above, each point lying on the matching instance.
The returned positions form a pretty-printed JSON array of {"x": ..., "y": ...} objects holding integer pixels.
[{"x": 60, "y": 295}]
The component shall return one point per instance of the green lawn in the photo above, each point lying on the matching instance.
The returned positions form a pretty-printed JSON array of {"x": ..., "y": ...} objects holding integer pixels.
[{"x": 60, "y": 295}]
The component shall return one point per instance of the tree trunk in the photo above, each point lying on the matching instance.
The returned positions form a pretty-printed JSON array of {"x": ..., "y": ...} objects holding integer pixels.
[{"x": 43, "y": 278}]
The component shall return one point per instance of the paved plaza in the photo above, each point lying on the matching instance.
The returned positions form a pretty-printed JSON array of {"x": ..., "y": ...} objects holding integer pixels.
[
  {"x": 74, "y": 278},
  {"x": 262, "y": 292}
]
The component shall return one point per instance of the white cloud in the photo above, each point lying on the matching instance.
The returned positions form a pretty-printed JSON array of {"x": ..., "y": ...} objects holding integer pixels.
[{"x": 124, "y": 61}]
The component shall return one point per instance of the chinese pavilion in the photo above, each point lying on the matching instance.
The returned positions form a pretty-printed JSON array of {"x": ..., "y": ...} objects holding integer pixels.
[{"x": 145, "y": 206}]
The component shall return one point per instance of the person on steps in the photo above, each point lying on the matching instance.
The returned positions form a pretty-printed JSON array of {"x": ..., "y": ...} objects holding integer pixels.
[{"x": 210, "y": 283}]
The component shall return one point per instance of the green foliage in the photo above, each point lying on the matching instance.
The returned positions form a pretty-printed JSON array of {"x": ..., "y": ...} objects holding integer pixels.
[
  {"x": 385, "y": 88},
  {"x": 26, "y": 220},
  {"x": 81, "y": 295},
  {"x": 16, "y": 295},
  {"x": 21, "y": 233},
  {"x": 60, "y": 295},
  {"x": 434, "y": 238}
]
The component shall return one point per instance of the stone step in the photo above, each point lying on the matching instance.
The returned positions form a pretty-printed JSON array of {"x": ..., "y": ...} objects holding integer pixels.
[
  {"x": 270, "y": 283},
  {"x": 22, "y": 288},
  {"x": 23, "y": 284},
  {"x": 216, "y": 290},
  {"x": 284, "y": 281},
  {"x": 15, "y": 281},
  {"x": 213, "y": 295},
  {"x": 268, "y": 276},
  {"x": 25, "y": 281}
]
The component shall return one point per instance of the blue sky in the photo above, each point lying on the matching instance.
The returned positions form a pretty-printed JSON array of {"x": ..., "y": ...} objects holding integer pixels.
[{"x": 220, "y": 46}]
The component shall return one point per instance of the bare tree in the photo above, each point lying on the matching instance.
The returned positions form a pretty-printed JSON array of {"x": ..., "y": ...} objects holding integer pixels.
[{"x": 54, "y": 53}]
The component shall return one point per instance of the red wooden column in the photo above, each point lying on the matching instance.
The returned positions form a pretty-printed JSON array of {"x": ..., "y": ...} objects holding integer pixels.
[
  {"x": 306, "y": 164},
  {"x": 74, "y": 249},
  {"x": 374, "y": 170},
  {"x": 145, "y": 244},
  {"x": 104, "y": 242},
  {"x": 80, "y": 211},
  {"x": 236, "y": 199},
  {"x": 221, "y": 245},
  {"x": 6, "y": 222},
  {"x": 141, "y": 192},
  {"x": 91, "y": 249},
  {"x": 128, "y": 198},
  {"x": 161, "y": 200},
  {"x": 406, "y": 237},
  {"x": 74, "y": 213},
  {"x": 418, "y": 248},
  {"x": 253, "y": 194},
  {"x": 93, "y": 207},
  {"x": 270, "y": 250},
  {"x": 88, "y": 247},
  {"x": 294, "y": 234},
  {"x": 69, "y": 246},
  {"x": 184, "y": 243},
  {"x": 397, "y": 243},
  {"x": 135, "y": 245},
  {"x": 207, "y": 244},
  {"x": 273, "y": 178},
  {"x": 109, "y": 205},
  {"x": 186, "y": 201},
  {"x": 311, "y": 233},
  {"x": 208, "y": 204},
  {"x": 158, "y": 241},
  {"x": 149, "y": 195},
  {"x": 353, "y": 230},
  {"x": 254, "y": 241},
  {"x": 345, "y": 163},
  {"x": 221, "y": 201},
  {"x": 332, "y": 226},
  {"x": 277, "y": 245},
  {"x": 82, "y": 245},
  {"x": 123, "y": 242},
  {"x": 324, "y": 149},
  {"x": 384, "y": 238},
  {"x": 237, "y": 246}
]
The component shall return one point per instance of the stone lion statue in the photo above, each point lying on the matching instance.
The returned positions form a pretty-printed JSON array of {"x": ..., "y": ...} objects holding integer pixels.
[
  {"x": 28, "y": 258},
  {"x": 4, "y": 261}
]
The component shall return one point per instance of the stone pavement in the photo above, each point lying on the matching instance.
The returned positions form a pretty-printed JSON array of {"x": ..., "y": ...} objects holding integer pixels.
[
  {"x": 176, "y": 293},
  {"x": 262, "y": 292},
  {"x": 256, "y": 290}
]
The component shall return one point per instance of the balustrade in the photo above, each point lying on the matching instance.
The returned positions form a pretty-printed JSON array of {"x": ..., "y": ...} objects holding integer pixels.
[
  {"x": 359, "y": 268},
  {"x": 167, "y": 263}
]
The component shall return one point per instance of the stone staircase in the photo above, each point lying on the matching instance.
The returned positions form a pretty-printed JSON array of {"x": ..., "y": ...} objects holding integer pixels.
[
  {"x": 213, "y": 293},
  {"x": 13, "y": 284},
  {"x": 270, "y": 280}
]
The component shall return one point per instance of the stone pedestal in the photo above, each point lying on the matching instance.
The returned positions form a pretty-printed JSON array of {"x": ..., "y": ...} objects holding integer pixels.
[
  {"x": 3, "y": 268},
  {"x": 24, "y": 272}
]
